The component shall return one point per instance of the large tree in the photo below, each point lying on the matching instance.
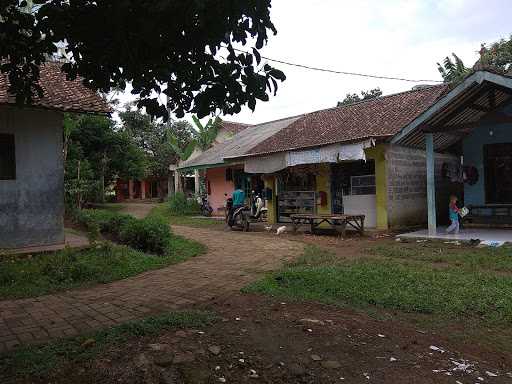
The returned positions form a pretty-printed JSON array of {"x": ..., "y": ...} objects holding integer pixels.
[
  {"x": 96, "y": 154},
  {"x": 160, "y": 141},
  {"x": 184, "y": 49},
  {"x": 351, "y": 98}
]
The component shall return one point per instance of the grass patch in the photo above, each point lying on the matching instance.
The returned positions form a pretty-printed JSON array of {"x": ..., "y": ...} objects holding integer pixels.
[
  {"x": 450, "y": 292},
  {"x": 164, "y": 211},
  {"x": 112, "y": 207},
  {"x": 486, "y": 258},
  {"x": 66, "y": 269},
  {"x": 40, "y": 360}
]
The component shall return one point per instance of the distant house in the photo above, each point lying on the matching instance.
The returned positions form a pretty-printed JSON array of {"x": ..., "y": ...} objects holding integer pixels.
[
  {"x": 31, "y": 158},
  {"x": 152, "y": 187}
]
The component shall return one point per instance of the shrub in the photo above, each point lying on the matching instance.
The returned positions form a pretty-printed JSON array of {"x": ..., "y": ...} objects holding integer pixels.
[
  {"x": 179, "y": 205},
  {"x": 151, "y": 234}
]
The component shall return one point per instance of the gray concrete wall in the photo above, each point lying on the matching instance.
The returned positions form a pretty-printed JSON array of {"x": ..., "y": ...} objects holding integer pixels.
[
  {"x": 32, "y": 206},
  {"x": 407, "y": 186}
]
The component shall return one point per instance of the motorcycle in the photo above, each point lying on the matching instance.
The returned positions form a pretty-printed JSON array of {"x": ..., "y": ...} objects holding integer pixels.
[
  {"x": 237, "y": 216},
  {"x": 205, "y": 208},
  {"x": 241, "y": 216}
]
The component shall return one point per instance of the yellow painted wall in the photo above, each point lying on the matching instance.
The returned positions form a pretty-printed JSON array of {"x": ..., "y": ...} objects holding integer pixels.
[
  {"x": 377, "y": 153},
  {"x": 323, "y": 184},
  {"x": 270, "y": 182}
]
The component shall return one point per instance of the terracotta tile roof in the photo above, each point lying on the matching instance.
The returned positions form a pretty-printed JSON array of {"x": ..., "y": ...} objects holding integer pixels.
[
  {"x": 376, "y": 118},
  {"x": 59, "y": 93},
  {"x": 232, "y": 127}
]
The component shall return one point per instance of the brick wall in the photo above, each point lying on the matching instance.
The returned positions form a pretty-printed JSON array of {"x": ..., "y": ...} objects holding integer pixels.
[{"x": 407, "y": 186}]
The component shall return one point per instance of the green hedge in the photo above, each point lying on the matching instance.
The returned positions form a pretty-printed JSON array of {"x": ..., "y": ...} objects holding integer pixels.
[
  {"x": 179, "y": 205},
  {"x": 151, "y": 234}
]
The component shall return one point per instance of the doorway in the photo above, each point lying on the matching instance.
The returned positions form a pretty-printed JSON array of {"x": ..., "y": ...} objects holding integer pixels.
[{"x": 498, "y": 173}]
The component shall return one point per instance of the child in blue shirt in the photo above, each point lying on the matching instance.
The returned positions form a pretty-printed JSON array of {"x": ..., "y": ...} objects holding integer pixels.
[{"x": 454, "y": 215}]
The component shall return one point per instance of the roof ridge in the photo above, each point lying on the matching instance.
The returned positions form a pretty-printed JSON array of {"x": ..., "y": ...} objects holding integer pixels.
[
  {"x": 235, "y": 122},
  {"x": 379, "y": 98},
  {"x": 281, "y": 119}
]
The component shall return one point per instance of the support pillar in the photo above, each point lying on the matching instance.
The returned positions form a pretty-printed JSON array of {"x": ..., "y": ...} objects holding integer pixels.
[
  {"x": 143, "y": 189},
  {"x": 431, "y": 184},
  {"x": 170, "y": 186},
  {"x": 130, "y": 189},
  {"x": 196, "y": 182},
  {"x": 177, "y": 181}
]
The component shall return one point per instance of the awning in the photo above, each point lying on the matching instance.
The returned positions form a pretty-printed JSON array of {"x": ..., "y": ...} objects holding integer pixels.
[{"x": 329, "y": 154}]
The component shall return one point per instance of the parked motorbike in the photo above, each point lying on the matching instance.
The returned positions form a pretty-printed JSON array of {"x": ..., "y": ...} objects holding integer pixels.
[
  {"x": 206, "y": 210},
  {"x": 241, "y": 217}
]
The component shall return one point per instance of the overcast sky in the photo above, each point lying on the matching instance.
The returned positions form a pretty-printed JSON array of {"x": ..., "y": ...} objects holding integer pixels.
[{"x": 403, "y": 38}]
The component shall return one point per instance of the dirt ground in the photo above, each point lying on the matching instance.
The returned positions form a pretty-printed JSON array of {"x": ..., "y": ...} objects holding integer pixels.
[{"x": 264, "y": 340}]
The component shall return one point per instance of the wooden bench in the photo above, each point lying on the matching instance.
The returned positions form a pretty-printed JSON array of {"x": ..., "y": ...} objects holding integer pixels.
[
  {"x": 335, "y": 221},
  {"x": 492, "y": 214}
]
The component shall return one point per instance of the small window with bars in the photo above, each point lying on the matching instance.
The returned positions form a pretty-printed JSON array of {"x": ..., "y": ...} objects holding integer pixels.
[
  {"x": 7, "y": 157},
  {"x": 362, "y": 185}
]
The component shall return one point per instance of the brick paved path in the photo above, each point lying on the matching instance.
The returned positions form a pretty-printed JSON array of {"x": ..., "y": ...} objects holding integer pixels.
[{"x": 233, "y": 259}]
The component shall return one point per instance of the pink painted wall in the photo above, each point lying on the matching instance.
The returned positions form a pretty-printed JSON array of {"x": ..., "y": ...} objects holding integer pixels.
[{"x": 218, "y": 187}]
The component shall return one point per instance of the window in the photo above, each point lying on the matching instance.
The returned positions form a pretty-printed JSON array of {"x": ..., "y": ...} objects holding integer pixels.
[
  {"x": 7, "y": 157},
  {"x": 363, "y": 185}
]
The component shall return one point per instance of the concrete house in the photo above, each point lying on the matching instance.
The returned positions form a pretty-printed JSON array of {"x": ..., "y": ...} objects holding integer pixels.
[
  {"x": 220, "y": 174},
  {"x": 334, "y": 161},
  {"x": 341, "y": 161},
  {"x": 31, "y": 158},
  {"x": 473, "y": 122}
]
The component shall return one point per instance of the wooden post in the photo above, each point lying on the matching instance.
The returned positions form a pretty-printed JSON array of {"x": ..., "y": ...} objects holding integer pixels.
[{"x": 431, "y": 184}]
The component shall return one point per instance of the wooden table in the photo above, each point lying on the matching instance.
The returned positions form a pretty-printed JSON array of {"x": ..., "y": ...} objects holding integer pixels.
[{"x": 335, "y": 221}]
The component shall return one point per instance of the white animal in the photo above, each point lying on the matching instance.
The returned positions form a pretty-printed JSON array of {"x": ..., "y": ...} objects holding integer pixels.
[
  {"x": 268, "y": 228},
  {"x": 281, "y": 229}
]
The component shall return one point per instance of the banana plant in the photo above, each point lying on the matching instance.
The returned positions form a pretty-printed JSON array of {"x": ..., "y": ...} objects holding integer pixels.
[
  {"x": 182, "y": 153},
  {"x": 204, "y": 135}
]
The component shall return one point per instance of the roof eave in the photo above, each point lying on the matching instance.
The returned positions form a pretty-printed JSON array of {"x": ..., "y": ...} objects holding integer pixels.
[{"x": 475, "y": 79}]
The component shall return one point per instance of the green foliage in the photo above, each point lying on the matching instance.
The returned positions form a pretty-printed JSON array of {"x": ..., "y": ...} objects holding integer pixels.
[
  {"x": 185, "y": 52},
  {"x": 164, "y": 211},
  {"x": 498, "y": 56},
  {"x": 151, "y": 234},
  {"x": 46, "y": 273},
  {"x": 449, "y": 292},
  {"x": 179, "y": 205},
  {"x": 351, "y": 98},
  {"x": 476, "y": 259},
  {"x": 103, "y": 263},
  {"x": 204, "y": 135},
  {"x": 96, "y": 154},
  {"x": 453, "y": 71},
  {"x": 41, "y": 360},
  {"x": 162, "y": 143}
]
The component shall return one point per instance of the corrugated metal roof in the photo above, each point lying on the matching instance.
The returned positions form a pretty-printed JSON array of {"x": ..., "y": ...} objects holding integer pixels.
[
  {"x": 239, "y": 145},
  {"x": 452, "y": 117}
]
